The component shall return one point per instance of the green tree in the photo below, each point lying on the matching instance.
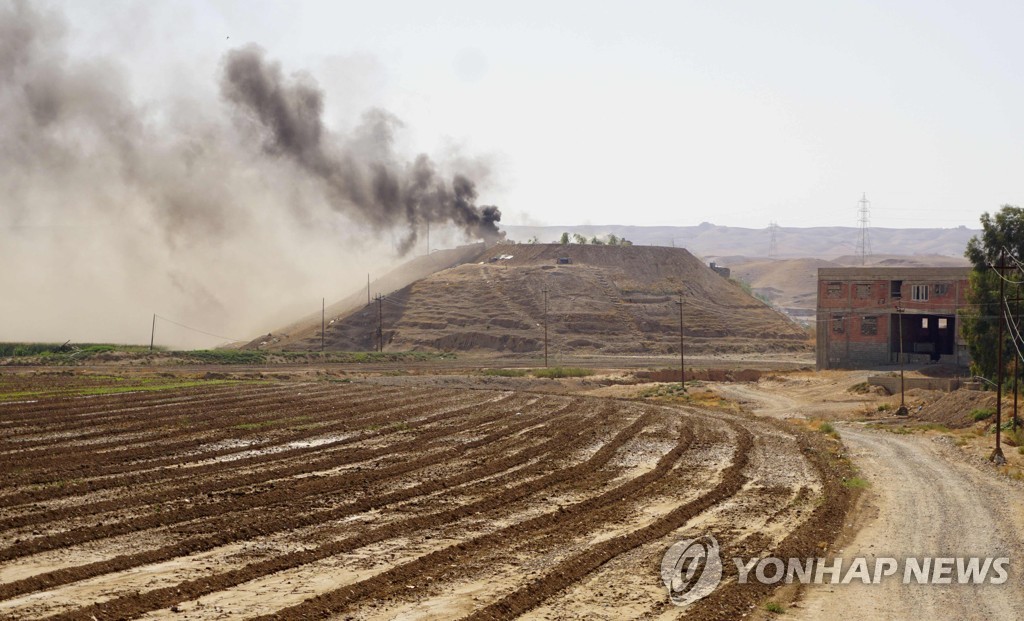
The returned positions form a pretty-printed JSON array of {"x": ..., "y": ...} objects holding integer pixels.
[
  {"x": 578, "y": 239},
  {"x": 595, "y": 241},
  {"x": 564, "y": 239},
  {"x": 613, "y": 240},
  {"x": 1001, "y": 233}
]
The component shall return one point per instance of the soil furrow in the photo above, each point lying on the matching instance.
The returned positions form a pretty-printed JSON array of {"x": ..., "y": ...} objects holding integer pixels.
[
  {"x": 361, "y": 415},
  {"x": 130, "y": 606},
  {"x": 306, "y": 487},
  {"x": 232, "y": 528}
]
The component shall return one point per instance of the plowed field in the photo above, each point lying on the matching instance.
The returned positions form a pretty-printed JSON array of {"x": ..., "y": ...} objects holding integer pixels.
[{"x": 320, "y": 499}]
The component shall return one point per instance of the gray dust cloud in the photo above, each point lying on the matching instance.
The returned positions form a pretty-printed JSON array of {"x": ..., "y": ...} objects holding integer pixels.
[{"x": 229, "y": 214}]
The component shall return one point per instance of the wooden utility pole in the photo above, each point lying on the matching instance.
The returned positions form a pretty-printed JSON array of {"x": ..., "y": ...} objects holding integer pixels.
[
  {"x": 380, "y": 322},
  {"x": 682, "y": 357},
  {"x": 902, "y": 410},
  {"x": 1016, "y": 351},
  {"x": 323, "y": 319},
  {"x": 545, "y": 328},
  {"x": 152, "y": 333},
  {"x": 997, "y": 455}
]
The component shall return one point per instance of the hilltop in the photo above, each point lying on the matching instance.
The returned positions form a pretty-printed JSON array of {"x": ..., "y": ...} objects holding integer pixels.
[
  {"x": 823, "y": 242},
  {"x": 606, "y": 299}
]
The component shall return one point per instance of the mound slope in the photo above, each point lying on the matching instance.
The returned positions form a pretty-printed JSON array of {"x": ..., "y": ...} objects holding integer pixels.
[
  {"x": 307, "y": 328},
  {"x": 619, "y": 300}
]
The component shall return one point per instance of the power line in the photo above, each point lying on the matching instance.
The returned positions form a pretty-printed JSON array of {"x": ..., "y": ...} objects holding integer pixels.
[
  {"x": 1014, "y": 329},
  {"x": 181, "y": 325}
]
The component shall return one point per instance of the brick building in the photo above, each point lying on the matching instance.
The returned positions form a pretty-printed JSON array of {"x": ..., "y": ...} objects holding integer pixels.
[{"x": 858, "y": 325}]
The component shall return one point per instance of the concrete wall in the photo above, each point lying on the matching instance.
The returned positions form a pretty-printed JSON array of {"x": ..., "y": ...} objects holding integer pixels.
[{"x": 892, "y": 384}]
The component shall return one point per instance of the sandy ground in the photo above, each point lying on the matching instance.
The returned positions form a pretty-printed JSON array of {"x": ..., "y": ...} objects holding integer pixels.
[{"x": 925, "y": 498}]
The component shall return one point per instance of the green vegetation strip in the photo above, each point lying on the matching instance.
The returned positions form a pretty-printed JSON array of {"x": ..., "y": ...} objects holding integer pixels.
[
  {"x": 547, "y": 373},
  {"x": 58, "y": 354},
  {"x": 82, "y": 391}
]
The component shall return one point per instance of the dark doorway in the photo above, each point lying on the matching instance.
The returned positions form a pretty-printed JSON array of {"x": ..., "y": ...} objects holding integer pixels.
[{"x": 934, "y": 335}]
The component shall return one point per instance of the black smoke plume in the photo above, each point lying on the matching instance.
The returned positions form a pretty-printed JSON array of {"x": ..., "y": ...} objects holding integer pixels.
[
  {"x": 115, "y": 205},
  {"x": 377, "y": 186}
]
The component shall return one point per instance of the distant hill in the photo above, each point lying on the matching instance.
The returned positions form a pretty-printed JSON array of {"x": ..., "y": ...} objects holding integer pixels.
[
  {"x": 604, "y": 299},
  {"x": 791, "y": 284},
  {"x": 708, "y": 240}
]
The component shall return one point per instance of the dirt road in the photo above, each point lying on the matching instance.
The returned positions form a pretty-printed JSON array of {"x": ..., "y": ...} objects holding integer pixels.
[{"x": 923, "y": 500}]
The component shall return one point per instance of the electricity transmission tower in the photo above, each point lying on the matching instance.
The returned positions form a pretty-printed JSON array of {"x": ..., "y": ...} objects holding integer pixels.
[
  {"x": 864, "y": 219},
  {"x": 773, "y": 244}
]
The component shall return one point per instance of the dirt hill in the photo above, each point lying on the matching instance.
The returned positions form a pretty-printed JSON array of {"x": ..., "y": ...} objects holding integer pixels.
[
  {"x": 790, "y": 284},
  {"x": 419, "y": 267},
  {"x": 605, "y": 299}
]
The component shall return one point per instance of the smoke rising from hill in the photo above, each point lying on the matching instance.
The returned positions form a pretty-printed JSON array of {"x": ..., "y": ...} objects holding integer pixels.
[
  {"x": 212, "y": 212},
  {"x": 380, "y": 189}
]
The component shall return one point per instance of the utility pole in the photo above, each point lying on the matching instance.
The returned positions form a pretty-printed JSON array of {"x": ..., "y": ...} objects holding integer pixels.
[
  {"x": 152, "y": 333},
  {"x": 997, "y": 455},
  {"x": 323, "y": 319},
  {"x": 545, "y": 327},
  {"x": 380, "y": 322},
  {"x": 682, "y": 359},
  {"x": 902, "y": 410},
  {"x": 1016, "y": 350}
]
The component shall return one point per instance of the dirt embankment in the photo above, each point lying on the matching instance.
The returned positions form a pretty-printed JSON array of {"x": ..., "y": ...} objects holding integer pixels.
[{"x": 593, "y": 299}]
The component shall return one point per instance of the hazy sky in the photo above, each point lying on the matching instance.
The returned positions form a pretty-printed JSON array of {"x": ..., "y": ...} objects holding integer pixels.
[{"x": 737, "y": 113}]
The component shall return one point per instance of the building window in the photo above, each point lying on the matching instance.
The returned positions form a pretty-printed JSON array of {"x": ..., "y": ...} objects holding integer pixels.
[
  {"x": 834, "y": 290},
  {"x": 863, "y": 291},
  {"x": 924, "y": 323},
  {"x": 837, "y": 324},
  {"x": 919, "y": 293},
  {"x": 869, "y": 326},
  {"x": 940, "y": 289},
  {"x": 895, "y": 289},
  {"x": 943, "y": 323}
]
